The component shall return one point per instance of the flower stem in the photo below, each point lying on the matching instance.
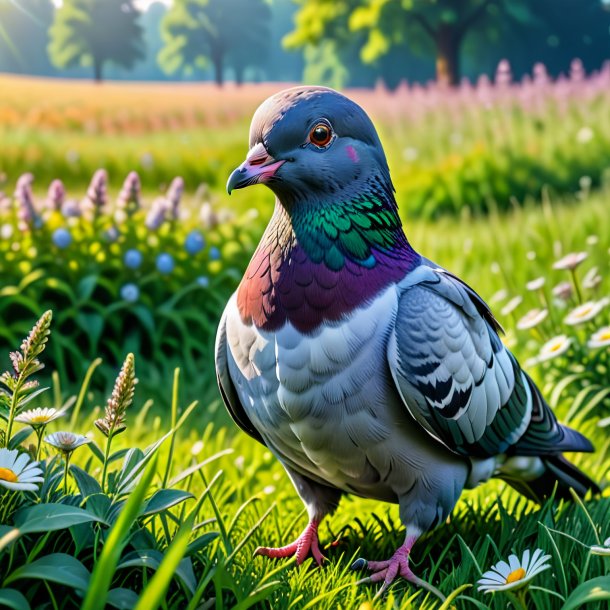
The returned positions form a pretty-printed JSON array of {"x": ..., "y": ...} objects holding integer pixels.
[
  {"x": 66, "y": 471},
  {"x": 39, "y": 433},
  {"x": 576, "y": 286},
  {"x": 106, "y": 456}
]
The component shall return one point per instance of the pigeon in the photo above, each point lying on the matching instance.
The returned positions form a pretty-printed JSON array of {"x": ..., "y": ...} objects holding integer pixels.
[{"x": 361, "y": 365}]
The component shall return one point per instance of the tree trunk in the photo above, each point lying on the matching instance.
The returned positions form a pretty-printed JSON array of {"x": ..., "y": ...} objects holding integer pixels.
[
  {"x": 98, "y": 66},
  {"x": 217, "y": 62},
  {"x": 448, "y": 41},
  {"x": 239, "y": 74}
]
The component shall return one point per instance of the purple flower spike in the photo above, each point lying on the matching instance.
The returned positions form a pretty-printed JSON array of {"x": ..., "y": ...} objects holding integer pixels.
[
  {"x": 26, "y": 214},
  {"x": 56, "y": 196},
  {"x": 174, "y": 194},
  {"x": 129, "y": 197},
  {"x": 97, "y": 193}
]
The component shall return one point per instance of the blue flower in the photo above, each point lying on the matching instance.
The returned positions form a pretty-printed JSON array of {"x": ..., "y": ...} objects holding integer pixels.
[
  {"x": 165, "y": 263},
  {"x": 203, "y": 281},
  {"x": 62, "y": 238},
  {"x": 132, "y": 258},
  {"x": 130, "y": 293},
  {"x": 194, "y": 242},
  {"x": 214, "y": 253}
]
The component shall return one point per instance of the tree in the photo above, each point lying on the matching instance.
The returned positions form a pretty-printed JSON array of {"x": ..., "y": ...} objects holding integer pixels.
[
  {"x": 94, "y": 32},
  {"x": 438, "y": 26},
  {"x": 24, "y": 29},
  {"x": 223, "y": 32}
]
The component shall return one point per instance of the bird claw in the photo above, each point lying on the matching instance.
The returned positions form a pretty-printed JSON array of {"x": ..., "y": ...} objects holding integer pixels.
[
  {"x": 387, "y": 571},
  {"x": 305, "y": 544},
  {"x": 359, "y": 564}
]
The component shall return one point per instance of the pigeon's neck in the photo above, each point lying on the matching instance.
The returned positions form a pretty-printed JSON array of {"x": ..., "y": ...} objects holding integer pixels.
[{"x": 317, "y": 262}]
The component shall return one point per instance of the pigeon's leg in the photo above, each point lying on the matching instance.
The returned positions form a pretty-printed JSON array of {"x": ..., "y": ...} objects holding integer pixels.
[
  {"x": 320, "y": 501},
  {"x": 398, "y": 565}
]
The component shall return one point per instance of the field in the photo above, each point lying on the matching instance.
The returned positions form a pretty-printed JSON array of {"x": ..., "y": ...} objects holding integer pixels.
[{"x": 222, "y": 494}]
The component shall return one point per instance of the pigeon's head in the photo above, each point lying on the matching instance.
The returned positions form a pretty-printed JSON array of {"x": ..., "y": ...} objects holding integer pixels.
[{"x": 312, "y": 143}]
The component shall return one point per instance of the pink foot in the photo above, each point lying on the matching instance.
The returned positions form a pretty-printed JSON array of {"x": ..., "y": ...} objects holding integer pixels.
[
  {"x": 306, "y": 543},
  {"x": 387, "y": 571}
]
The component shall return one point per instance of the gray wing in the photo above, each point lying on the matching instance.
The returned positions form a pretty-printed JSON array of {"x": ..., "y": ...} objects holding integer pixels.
[
  {"x": 458, "y": 380},
  {"x": 226, "y": 386}
]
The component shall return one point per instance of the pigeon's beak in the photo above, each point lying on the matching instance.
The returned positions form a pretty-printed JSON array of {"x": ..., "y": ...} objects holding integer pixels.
[{"x": 259, "y": 167}]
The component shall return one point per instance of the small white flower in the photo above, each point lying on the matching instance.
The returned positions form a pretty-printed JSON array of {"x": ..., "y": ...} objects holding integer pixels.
[
  {"x": 66, "y": 441},
  {"x": 532, "y": 318},
  {"x": 592, "y": 240},
  {"x": 601, "y": 338},
  {"x": 410, "y": 153},
  {"x": 497, "y": 297},
  {"x": 563, "y": 291},
  {"x": 585, "y": 312},
  {"x": 197, "y": 448},
  {"x": 584, "y": 135},
  {"x": 536, "y": 284},
  {"x": 603, "y": 550},
  {"x": 531, "y": 255},
  {"x": 511, "y": 305},
  {"x": 570, "y": 261},
  {"x": 554, "y": 347},
  {"x": 40, "y": 416},
  {"x": 18, "y": 472},
  {"x": 592, "y": 279},
  {"x": 515, "y": 574}
]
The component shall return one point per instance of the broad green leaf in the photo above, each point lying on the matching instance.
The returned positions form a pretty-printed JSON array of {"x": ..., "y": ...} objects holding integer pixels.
[
  {"x": 594, "y": 590},
  {"x": 115, "y": 542},
  {"x": 51, "y": 517},
  {"x": 165, "y": 498},
  {"x": 10, "y": 598},
  {"x": 60, "y": 568},
  {"x": 87, "y": 485},
  {"x": 124, "y": 599},
  {"x": 201, "y": 542},
  {"x": 20, "y": 437}
]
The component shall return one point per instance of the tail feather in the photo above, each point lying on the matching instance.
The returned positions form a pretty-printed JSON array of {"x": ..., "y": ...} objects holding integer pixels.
[
  {"x": 559, "y": 477},
  {"x": 545, "y": 434}
]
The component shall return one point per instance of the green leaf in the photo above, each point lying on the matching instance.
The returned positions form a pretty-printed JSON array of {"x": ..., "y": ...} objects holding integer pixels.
[
  {"x": 201, "y": 542},
  {"x": 87, "y": 485},
  {"x": 10, "y": 598},
  {"x": 51, "y": 517},
  {"x": 115, "y": 542},
  {"x": 594, "y": 590},
  {"x": 60, "y": 568},
  {"x": 19, "y": 437},
  {"x": 165, "y": 498},
  {"x": 124, "y": 599}
]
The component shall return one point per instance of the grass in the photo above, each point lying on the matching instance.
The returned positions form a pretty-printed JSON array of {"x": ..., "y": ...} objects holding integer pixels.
[
  {"x": 247, "y": 500},
  {"x": 241, "y": 498}
]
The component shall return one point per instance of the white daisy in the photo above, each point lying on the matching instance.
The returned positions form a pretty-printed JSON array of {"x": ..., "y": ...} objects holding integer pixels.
[
  {"x": 66, "y": 441},
  {"x": 570, "y": 261},
  {"x": 601, "y": 338},
  {"x": 563, "y": 291},
  {"x": 532, "y": 318},
  {"x": 603, "y": 550},
  {"x": 514, "y": 574},
  {"x": 18, "y": 472},
  {"x": 536, "y": 284},
  {"x": 40, "y": 416},
  {"x": 554, "y": 347},
  {"x": 511, "y": 305},
  {"x": 592, "y": 279},
  {"x": 585, "y": 312}
]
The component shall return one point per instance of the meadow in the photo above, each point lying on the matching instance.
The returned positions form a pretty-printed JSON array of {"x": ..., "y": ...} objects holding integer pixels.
[{"x": 166, "y": 500}]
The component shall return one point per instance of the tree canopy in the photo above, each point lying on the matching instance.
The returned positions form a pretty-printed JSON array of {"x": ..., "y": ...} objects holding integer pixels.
[
  {"x": 94, "y": 32},
  {"x": 436, "y": 27},
  {"x": 231, "y": 33}
]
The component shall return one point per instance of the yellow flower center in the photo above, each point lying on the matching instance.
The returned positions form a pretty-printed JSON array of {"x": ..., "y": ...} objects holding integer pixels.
[
  {"x": 39, "y": 419},
  {"x": 515, "y": 575},
  {"x": 604, "y": 336},
  {"x": 6, "y": 474},
  {"x": 556, "y": 346},
  {"x": 584, "y": 311}
]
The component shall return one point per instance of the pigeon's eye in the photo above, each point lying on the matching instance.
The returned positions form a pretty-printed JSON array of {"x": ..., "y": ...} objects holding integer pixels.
[{"x": 321, "y": 135}]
